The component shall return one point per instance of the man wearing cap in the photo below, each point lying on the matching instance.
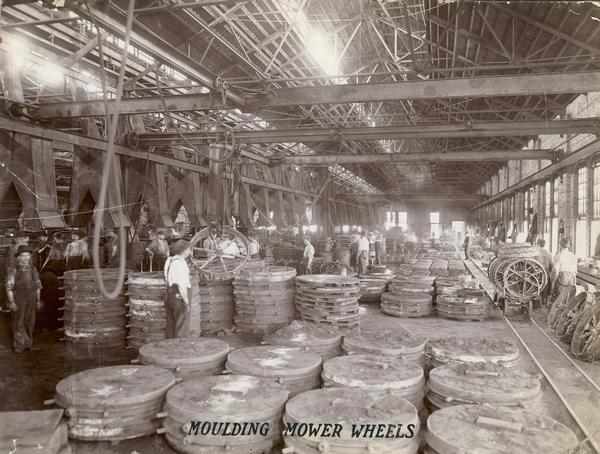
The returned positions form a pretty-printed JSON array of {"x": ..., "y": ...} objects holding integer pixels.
[
  {"x": 43, "y": 250},
  {"x": 177, "y": 301},
  {"x": 362, "y": 253},
  {"x": 23, "y": 292},
  {"x": 111, "y": 250},
  {"x": 565, "y": 266},
  {"x": 21, "y": 239},
  {"x": 308, "y": 255},
  {"x": 76, "y": 253},
  {"x": 547, "y": 262},
  {"x": 158, "y": 250}
]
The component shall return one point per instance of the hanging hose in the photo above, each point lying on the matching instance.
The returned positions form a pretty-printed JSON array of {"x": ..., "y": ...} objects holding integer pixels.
[{"x": 109, "y": 160}]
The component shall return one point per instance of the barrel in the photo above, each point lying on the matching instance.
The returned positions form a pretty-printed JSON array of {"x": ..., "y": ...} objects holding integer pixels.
[
  {"x": 296, "y": 369},
  {"x": 147, "y": 317},
  {"x": 239, "y": 404},
  {"x": 344, "y": 407},
  {"x": 114, "y": 403},
  {"x": 472, "y": 350},
  {"x": 495, "y": 430},
  {"x": 92, "y": 321},
  {"x": 317, "y": 339},
  {"x": 264, "y": 299}
]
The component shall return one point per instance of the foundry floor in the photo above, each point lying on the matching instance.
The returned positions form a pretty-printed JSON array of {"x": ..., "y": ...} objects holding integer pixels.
[{"x": 29, "y": 379}]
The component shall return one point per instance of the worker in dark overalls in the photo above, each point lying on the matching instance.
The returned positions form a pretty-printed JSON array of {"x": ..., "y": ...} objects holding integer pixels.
[
  {"x": 23, "y": 288},
  {"x": 178, "y": 299}
]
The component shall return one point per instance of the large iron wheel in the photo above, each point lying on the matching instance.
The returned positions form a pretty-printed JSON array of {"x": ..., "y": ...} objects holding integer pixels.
[
  {"x": 524, "y": 279},
  {"x": 212, "y": 261},
  {"x": 585, "y": 344}
]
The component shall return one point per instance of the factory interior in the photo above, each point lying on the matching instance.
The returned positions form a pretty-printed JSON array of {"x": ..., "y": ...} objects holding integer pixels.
[{"x": 299, "y": 226}]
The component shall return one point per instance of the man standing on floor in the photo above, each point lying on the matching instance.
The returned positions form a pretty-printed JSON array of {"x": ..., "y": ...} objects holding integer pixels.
[
  {"x": 565, "y": 267},
  {"x": 547, "y": 262},
  {"x": 179, "y": 286},
  {"x": 23, "y": 288},
  {"x": 362, "y": 253},
  {"x": 379, "y": 247},
  {"x": 308, "y": 255},
  {"x": 21, "y": 239}
]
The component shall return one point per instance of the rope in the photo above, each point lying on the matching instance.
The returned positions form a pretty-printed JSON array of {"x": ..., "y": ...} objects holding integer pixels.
[{"x": 109, "y": 160}]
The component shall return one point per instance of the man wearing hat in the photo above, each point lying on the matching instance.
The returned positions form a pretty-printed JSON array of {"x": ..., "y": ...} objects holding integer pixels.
[
  {"x": 23, "y": 292},
  {"x": 177, "y": 301},
  {"x": 565, "y": 266},
  {"x": 308, "y": 255},
  {"x": 157, "y": 250},
  {"x": 76, "y": 253},
  {"x": 21, "y": 239}
]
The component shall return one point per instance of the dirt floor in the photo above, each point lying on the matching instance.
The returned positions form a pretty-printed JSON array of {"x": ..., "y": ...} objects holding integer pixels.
[{"x": 29, "y": 379}]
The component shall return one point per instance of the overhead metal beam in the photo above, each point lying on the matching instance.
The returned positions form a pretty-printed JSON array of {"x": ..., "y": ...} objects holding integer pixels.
[
  {"x": 419, "y": 131},
  {"x": 440, "y": 197},
  {"x": 435, "y": 156},
  {"x": 83, "y": 141},
  {"x": 190, "y": 5},
  {"x": 519, "y": 85}
]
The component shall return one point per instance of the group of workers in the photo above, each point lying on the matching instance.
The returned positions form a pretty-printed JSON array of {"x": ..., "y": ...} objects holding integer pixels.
[
  {"x": 365, "y": 248},
  {"x": 32, "y": 276}
]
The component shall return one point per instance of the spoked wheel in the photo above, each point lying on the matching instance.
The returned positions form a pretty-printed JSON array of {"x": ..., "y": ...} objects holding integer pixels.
[
  {"x": 524, "y": 279},
  {"x": 559, "y": 305},
  {"x": 498, "y": 273},
  {"x": 570, "y": 317},
  {"x": 211, "y": 251},
  {"x": 585, "y": 344}
]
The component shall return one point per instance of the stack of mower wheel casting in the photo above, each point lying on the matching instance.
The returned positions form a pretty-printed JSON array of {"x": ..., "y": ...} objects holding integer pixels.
[
  {"x": 472, "y": 350},
  {"x": 324, "y": 342},
  {"x": 194, "y": 316},
  {"x": 348, "y": 406},
  {"x": 495, "y": 430},
  {"x": 264, "y": 300},
  {"x": 295, "y": 368},
  {"x": 147, "y": 317},
  {"x": 238, "y": 404},
  {"x": 461, "y": 303},
  {"x": 330, "y": 300},
  {"x": 374, "y": 284},
  {"x": 409, "y": 296},
  {"x": 37, "y": 431},
  {"x": 91, "y": 320},
  {"x": 114, "y": 403},
  {"x": 216, "y": 305},
  {"x": 396, "y": 344},
  {"x": 577, "y": 322},
  {"x": 482, "y": 383},
  {"x": 187, "y": 358},
  {"x": 376, "y": 373}
]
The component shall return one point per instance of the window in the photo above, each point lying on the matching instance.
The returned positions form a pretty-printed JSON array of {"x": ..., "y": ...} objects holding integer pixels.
[
  {"x": 596, "y": 207},
  {"x": 434, "y": 220},
  {"x": 582, "y": 175},
  {"x": 403, "y": 220},
  {"x": 390, "y": 220}
]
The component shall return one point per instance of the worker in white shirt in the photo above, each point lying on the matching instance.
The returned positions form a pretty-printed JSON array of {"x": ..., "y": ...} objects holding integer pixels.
[
  {"x": 379, "y": 249},
  {"x": 565, "y": 267},
  {"x": 354, "y": 249},
  {"x": 178, "y": 299},
  {"x": 547, "y": 262},
  {"x": 308, "y": 255},
  {"x": 362, "y": 253},
  {"x": 253, "y": 246}
]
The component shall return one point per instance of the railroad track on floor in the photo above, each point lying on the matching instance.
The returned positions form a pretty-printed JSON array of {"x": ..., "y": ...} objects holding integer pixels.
[{"x": 572, "y": 389}]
